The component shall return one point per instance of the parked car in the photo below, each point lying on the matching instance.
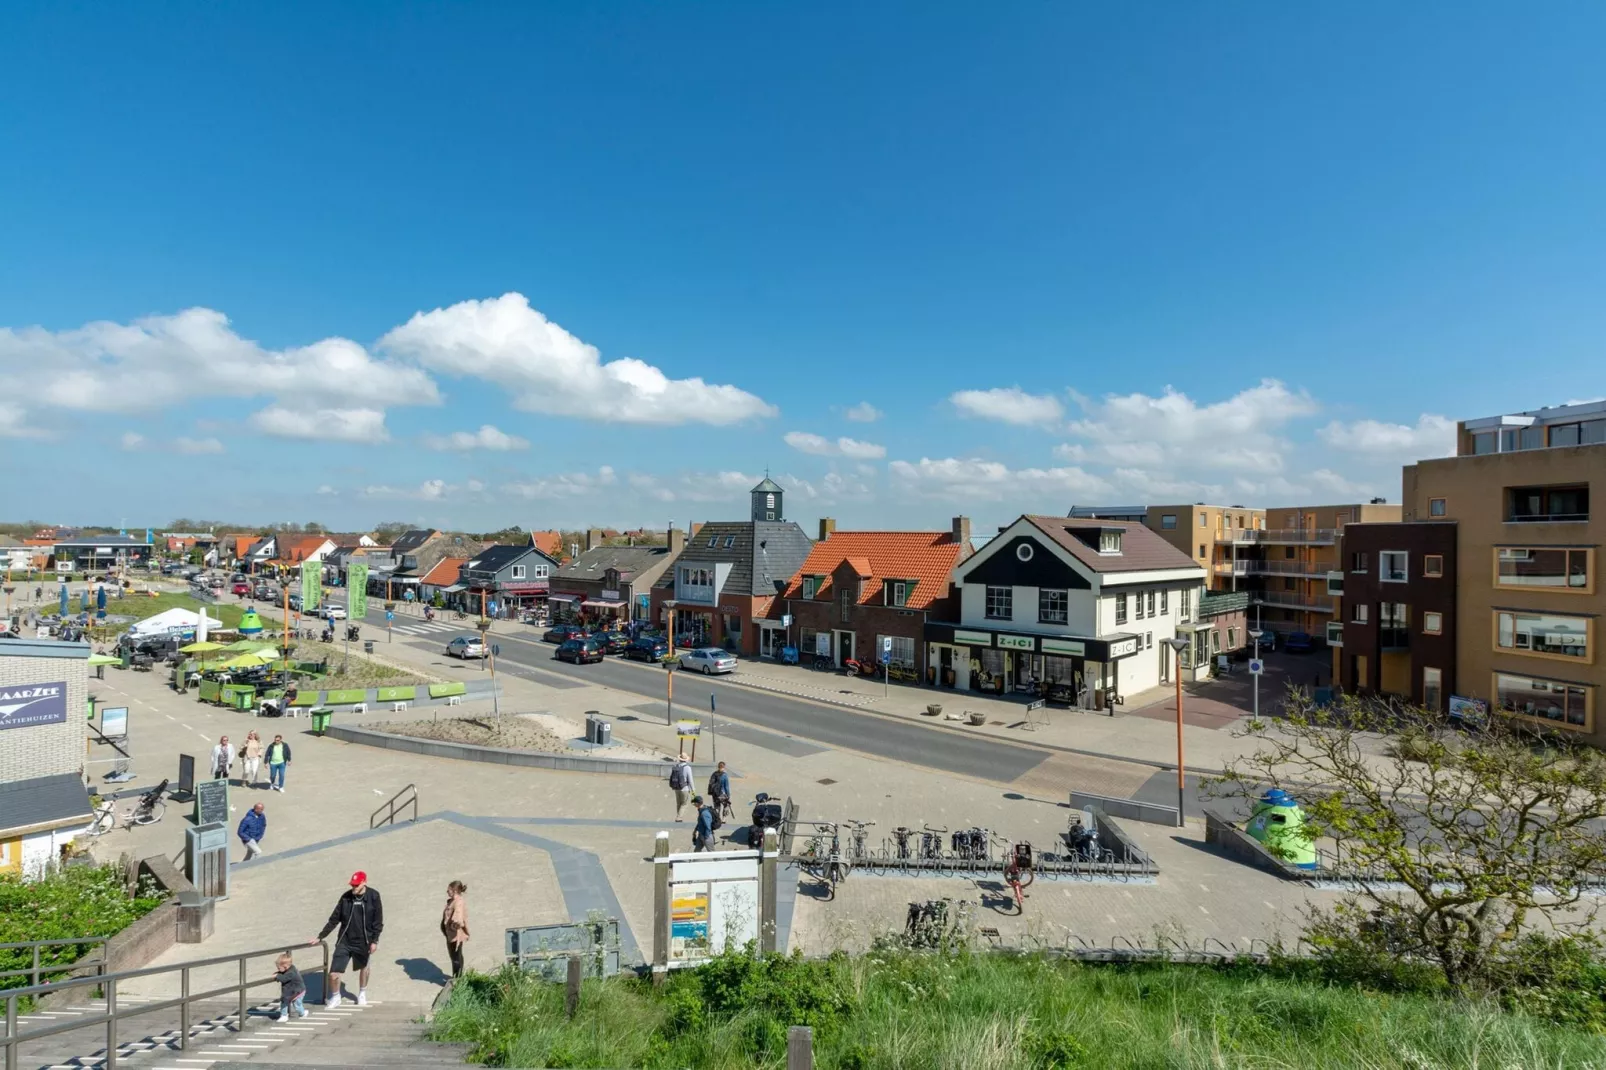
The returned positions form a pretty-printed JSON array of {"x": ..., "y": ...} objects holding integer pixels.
[
  {"x": 562, "y": 633},
  {"x": 709, "y": 660},
  {"x": 264, "y": 593},
  {"x": 655, "y": 648},
  {"x": 295, "y": 602},
  {"x": 467, "y": 646},
  {"x": 579, "y": 651},
  {"x": 1299, "y": 643},
  {"x": 613, "y": 642},
  {"x": 332, "y": 611},
  {"x": 241, "y": 587}
]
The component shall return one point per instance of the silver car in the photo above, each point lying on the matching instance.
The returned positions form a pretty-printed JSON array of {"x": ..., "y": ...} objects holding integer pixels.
[
  {"x": 466, "y": 646},
  {"x": 709, "y": 659}
]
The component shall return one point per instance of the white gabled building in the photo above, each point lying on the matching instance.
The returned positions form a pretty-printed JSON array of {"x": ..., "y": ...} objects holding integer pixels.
[{"x": 1074, "y": 609}]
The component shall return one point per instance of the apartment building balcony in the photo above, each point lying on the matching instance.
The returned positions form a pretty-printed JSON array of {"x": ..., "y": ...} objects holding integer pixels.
[
  {"x": 1286, "y": 568},
  {"x": 1292, "y": 536},
  {"x": 1393, "y": 640},
  {"x": 1293, "y": 600}
]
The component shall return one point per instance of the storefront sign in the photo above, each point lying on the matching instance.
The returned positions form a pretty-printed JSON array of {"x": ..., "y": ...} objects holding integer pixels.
[
  {"x": 610, "y": 596},
  {"x": 1017, "y": 642},
  {"x": 1122, "y": 648},
  {"x": 725, "y": 607},
  {"x": 1073, "y": 647},
  {"x": 33, "y": 704},
  {"x": 973, "y": 638}
]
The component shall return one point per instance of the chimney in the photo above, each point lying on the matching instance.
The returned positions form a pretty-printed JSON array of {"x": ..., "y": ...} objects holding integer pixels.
[
  {"x": 593, "y": 538},
  {"x": 961, "y": 530},
  {"x": 827, "y": 526},
  {"x": 677, "y": 541}
]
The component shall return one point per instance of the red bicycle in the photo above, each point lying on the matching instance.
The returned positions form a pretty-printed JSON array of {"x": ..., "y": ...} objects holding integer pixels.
[{"x": 1018, "y": 873}]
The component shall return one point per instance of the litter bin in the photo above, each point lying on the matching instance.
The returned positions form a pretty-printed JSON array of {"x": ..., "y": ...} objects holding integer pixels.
[
  {"x": 320, "y": 719},
  {"x": 367, "y": 646}
]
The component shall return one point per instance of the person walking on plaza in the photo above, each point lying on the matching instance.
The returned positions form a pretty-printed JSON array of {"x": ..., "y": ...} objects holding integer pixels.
[
  {"x": 222, "y": 759},
  {"x": 253, "y": 826},
  {"x": 454, "y": 925},
  {"x": 702, "y": 837},
  {"x": 278, "y": 754},
  {"x": 252, "y": 755},
  {"x": 680, "y": 781},
  {"x": 719, "y": 790},
  {"x": 292, "y": 989},
  {"x": 360, "y": 917}
]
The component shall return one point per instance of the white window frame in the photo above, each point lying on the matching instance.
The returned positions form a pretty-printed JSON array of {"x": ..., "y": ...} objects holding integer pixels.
[
  {"x": 1120, "y": 609},
  {"x": 1165, "y": 602},
  {"x": 987, "y": 602},
  {"x": 1384, "y": 570},
  {"x": 811, "y": 584},
  {"x": 516, "y": 572},
  {"x": 1362, "y": 612},
  {"x": 1064, "y": 616},
  {"x": 1432, "y": 622},
  {"x": 899, "y": 592}
]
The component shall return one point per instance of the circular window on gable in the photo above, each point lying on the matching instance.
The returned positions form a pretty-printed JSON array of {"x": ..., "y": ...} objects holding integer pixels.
[{"x": 1024, "y": 551}]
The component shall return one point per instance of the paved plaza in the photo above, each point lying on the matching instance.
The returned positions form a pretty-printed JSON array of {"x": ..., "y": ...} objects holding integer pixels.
[{"x": 538, "y": 847}]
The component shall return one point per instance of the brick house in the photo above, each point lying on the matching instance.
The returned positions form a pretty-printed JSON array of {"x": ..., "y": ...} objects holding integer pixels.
[
  {"x": 858, "y": 589},
  {"x": 44, "y": 804},
  {"x": 725, "y": 582}
]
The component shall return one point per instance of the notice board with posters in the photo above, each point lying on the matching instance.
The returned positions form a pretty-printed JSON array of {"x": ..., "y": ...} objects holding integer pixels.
[
  {"x": 713, "y": 904},
  {"x": 28, "y": 705}
]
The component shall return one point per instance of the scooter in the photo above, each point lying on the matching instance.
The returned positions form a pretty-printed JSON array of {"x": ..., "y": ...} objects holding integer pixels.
[{"x": 768, "y": 813}]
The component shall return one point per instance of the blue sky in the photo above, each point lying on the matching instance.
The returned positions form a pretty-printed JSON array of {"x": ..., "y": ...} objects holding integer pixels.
[{"x": 1062, "y": 255}]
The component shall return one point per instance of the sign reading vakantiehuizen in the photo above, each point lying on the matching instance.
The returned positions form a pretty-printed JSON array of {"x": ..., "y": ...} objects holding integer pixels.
[{"x": 33, "y": 704}]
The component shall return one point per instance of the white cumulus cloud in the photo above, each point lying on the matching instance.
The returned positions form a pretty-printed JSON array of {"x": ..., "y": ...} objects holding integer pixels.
[
  {"x": 862, "y": 413},
  {"x": 546, "y": 369},
  {"x": 956, "y": 479},
  {"x": 486, "y": 438},
  {"x": 431, "y": 490},
  {"x": 1430, "y": 436},
  {"x": 1010, "y": 405},
  {"x": 325, "y": 425},
  {"x": 820, "y": 446}
]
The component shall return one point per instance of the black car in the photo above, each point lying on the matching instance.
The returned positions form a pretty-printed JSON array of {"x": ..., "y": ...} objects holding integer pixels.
[
  {"x": 562, "y": 633},
  {"x": 579, "y": 651},
  {"x": 612, "y": 642},
  {"x": 653, "y": 648}
]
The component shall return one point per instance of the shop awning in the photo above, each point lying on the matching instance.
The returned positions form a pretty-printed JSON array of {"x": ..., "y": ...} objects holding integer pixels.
[
  {"x": 602, "y": 605},
  {"x": 453, "y": 589},
  {"x": 565, "y": 597}
]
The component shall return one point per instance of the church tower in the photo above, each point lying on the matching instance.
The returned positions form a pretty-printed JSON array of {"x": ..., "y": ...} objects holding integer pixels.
[{"x": 767, "y": 500}]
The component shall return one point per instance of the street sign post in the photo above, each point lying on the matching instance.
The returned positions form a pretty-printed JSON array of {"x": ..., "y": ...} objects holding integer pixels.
[
  {"x": 886, "y": 666},
  {"x": 1256, "y": 666}
]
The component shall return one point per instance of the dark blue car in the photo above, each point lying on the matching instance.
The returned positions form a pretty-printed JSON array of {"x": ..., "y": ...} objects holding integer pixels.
[{"x": 1299, "y": 643}]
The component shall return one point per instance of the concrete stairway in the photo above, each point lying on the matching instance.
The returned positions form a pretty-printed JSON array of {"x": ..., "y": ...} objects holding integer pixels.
[{"x": 380, "y": 1035}]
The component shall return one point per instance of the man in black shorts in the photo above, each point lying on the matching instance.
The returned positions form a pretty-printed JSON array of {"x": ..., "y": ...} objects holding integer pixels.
[{"x": 360, "y": 918}]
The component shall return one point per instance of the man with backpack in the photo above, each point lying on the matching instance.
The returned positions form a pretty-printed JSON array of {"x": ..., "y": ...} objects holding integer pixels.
[
  {"x": 680, "y": 782},
  {"x": 719, "y": 790},
  {"x": 702, "y": 837}
]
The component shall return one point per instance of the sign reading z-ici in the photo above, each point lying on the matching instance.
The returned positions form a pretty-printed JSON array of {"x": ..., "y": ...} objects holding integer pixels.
[{"x": 33, "y": 704}]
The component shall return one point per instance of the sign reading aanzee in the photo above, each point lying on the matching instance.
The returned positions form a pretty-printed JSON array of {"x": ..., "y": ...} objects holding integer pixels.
[{"x": 33, "y": 704}]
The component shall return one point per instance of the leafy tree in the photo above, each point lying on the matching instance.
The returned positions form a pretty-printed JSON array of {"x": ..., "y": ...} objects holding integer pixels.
[{"x": 1458, "y": 839}]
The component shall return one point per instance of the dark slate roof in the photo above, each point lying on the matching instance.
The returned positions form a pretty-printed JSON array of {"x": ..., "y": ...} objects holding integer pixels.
[
  {"x": 496, "y": 558},
  {"x": 629, "y": 560},
  {"x": 769, "y": 485},
  {"x": 409, "y": 541},
  {"x": 44, "y": 800},
  {"x": 1142, "y": 550},
  {"x": 763, "y": 554}
]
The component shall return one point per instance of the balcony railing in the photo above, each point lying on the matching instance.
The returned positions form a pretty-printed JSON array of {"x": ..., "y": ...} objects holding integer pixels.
[
  {"x": 1291, "y": 600},
  {"x": 1548, "y": 518},
  {"x": 1295, "y": 536},
  {"x": 1269, "y": 568}
]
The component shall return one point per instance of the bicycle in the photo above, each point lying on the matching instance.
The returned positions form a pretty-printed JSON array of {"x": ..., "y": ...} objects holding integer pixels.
[
  {"x": 931, "y": 847},
  {"x": 859, "y": 852},
  {"x": 830, "y": 869},
  {"x": 900, "y": 843}
]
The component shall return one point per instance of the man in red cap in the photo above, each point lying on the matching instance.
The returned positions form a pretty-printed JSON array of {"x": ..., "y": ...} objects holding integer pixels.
[{"x": 360, "y": 918}]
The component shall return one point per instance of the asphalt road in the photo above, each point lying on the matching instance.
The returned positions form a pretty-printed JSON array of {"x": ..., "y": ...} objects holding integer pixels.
[{"x": 833, "y": 726}]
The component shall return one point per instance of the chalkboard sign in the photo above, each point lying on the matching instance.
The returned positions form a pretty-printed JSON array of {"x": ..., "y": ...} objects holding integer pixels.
[{"x": 211, "y": 801}]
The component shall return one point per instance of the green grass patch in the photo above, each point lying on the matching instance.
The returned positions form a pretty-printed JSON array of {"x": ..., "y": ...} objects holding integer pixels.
[
  {"x": 905, "y": 1011},
  {"x": 140, "y": 606},
  {"x": 456, "y": 687},
  {"x": 75, "y": 902},
  {"x": 397, "y": 694}
]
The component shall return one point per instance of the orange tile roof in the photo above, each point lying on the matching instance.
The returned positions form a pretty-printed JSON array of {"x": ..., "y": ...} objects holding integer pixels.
[
  {"x": 299, "y": 547},
  {"x": 548, "y": 542},
  {"x": 445, "y": 573},
  {"x": 926, "y": 557}
]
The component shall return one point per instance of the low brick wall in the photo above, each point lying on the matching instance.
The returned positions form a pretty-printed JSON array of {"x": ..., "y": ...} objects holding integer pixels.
[
  {"x": 469, "y": 752},
  {"x": 1230, "y": 840}
]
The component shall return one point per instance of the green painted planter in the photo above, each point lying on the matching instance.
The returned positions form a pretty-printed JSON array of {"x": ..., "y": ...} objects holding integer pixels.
[
  {"x": 397, "y": 694},
  {"x": 456, "y": 687},
  {"x": 348, "y": 697}
]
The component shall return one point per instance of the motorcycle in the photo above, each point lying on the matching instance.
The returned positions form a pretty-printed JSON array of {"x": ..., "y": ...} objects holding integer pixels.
[{"x": 768, "y": 813}]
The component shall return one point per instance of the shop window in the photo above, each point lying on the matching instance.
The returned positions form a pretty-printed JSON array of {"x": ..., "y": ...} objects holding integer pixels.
[
  {"x": 1120, "y": 609},
  {"x": 1053, "y": 606},
  {"x": 902, "y": 653}
]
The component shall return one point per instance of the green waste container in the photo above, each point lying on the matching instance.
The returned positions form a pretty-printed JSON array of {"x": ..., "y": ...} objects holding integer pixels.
[{"x": 320, "y": 719}]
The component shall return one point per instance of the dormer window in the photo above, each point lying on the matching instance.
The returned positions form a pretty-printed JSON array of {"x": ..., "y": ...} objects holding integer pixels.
[
  {"x": 1109, "y": 542},
  {"x": 810, "y": 585},
  {"x": 897, "y": 593}
]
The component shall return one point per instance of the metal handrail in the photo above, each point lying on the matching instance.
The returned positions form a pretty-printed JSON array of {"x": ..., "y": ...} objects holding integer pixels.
[
  {"x": 396, "y": 803},
  {"x": 38, "y": 967},
  {"x": 113, "y": 1014}
]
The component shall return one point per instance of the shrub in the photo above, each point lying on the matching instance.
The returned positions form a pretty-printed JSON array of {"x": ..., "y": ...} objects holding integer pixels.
[{"x": 80, "y": 901}]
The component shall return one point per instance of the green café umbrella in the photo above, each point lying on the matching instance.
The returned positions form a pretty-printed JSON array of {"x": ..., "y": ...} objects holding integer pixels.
[
  {"x": 104, "y": 659},
  {"x": 205, "y": 646},
  {"x": 247, "y": 661}
]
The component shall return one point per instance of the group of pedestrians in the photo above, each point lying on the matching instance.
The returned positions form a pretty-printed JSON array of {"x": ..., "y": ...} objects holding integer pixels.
[
  {"x": 252, "y": 754},
  {"x": 707, "y": 813},
  {"x": 358, "y": 921}
]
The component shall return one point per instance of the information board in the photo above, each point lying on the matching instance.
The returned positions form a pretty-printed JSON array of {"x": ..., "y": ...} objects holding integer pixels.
[{"x": 211, "y": 802}]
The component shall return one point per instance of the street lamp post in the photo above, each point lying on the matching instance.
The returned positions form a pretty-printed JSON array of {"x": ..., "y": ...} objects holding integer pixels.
[
  {"x": 1178, "y": 645},
  {"x": 1255, "y": 633}
]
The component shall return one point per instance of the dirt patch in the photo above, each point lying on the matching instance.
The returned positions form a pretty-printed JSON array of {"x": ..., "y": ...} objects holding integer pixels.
[{"x": 517, "y": 732}]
